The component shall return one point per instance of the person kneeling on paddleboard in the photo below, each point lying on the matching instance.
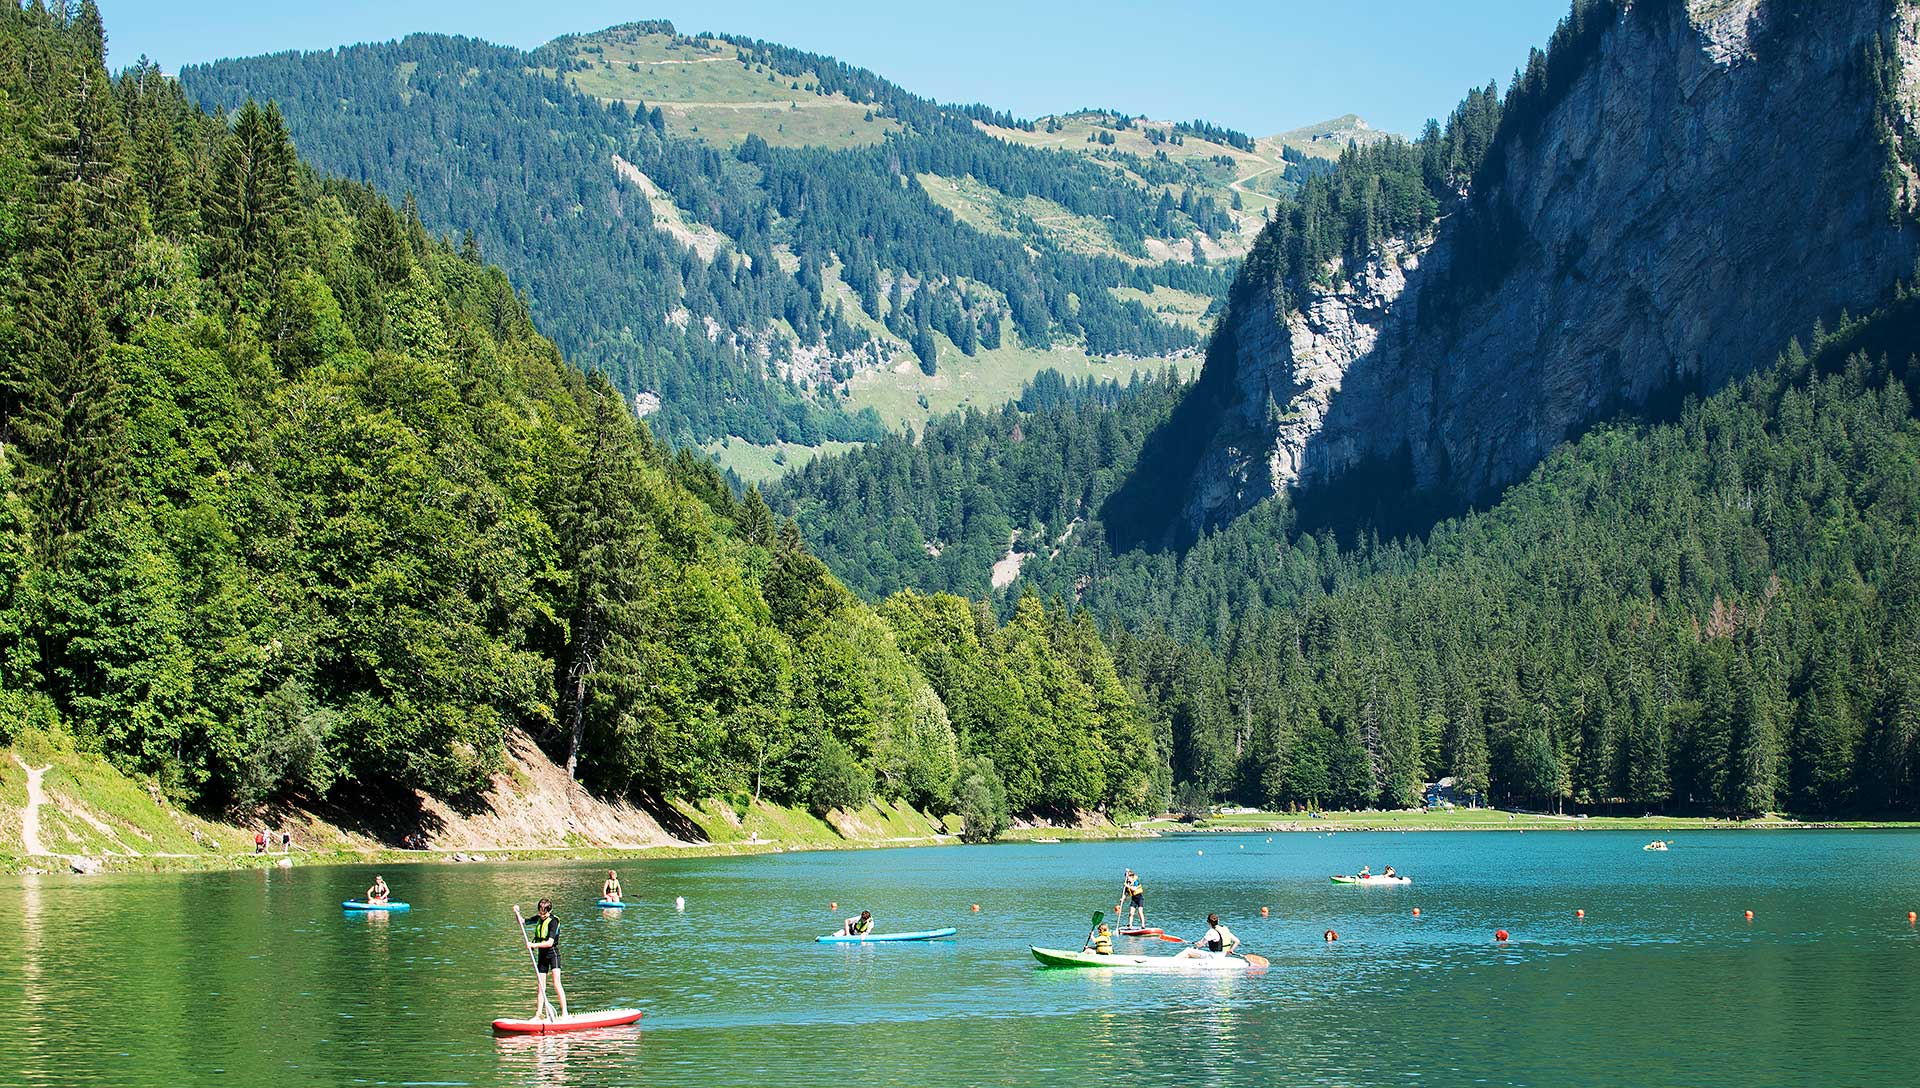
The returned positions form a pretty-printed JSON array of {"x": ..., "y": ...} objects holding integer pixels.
[
  {"x": 861, "y": 926},
  {"x": 545, "y": 942},
  {"x": 1102, "y": 941},
  {"x": 610, "y": 890},
  {"x": 1219, "y": 940},
  {"x": 378, "y": 892}
]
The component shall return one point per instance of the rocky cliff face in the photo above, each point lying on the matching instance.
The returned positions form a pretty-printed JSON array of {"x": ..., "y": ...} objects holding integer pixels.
[{"x": 1714, "y": 182}]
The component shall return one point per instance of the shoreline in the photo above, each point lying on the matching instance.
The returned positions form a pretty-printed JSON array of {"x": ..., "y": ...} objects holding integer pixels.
[{"x": 1488, "y": 820}]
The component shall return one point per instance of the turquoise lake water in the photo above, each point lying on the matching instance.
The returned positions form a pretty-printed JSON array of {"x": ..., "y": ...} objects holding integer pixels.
[{"x": 258, "y": 978}]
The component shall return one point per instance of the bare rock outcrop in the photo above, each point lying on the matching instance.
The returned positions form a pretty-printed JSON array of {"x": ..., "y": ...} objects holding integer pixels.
[{"x": 1713, "y": 182}]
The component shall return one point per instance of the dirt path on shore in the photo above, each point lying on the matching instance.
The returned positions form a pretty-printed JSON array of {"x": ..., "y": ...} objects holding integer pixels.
[{"x": 30, "y": 816}]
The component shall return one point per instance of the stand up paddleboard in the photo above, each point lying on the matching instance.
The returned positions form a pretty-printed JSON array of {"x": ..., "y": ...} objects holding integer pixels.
[
  {"x": 611, "y": 904},
  {"x": 580, "y": 1021},
  {"x": 1143, "y": 932},
  {"x": 361, "y": 904},
  {"x": 868, "y": 938}
]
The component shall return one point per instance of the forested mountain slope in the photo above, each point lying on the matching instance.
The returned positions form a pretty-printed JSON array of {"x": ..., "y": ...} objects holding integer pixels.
[
  {"x": 298, "y": 503},
  {"x": 1704, "y": 605},
  {"x": 686, "y": 215}
]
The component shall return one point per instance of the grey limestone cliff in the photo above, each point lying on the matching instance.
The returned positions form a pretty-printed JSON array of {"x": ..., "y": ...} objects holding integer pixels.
[{"x": 1713, "y": 183}]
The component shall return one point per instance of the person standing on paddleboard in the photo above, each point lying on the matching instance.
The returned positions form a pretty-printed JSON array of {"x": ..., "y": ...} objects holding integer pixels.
[
  {"x": 544, "y": 939},
  {"x": 1135, "y": 894}
]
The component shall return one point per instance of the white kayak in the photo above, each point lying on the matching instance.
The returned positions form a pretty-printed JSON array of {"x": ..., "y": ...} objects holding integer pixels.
[
  {"x": 1372, "y": 880},
  {"x": 1060, "y": 957}
]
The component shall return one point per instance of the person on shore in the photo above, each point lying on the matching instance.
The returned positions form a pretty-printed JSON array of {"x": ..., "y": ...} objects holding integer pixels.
[
  {"x": 1219, "y": 941},
  {"x": 1102, "y": 942},
  {"x": 378, "y": 892},
  {"x": 610, "y": 888},
  {"x": 1135, "y": 895},
  {"x": 859, "y": 926},
  {"x": 286, "y": 842},
  {"x": 260, "y": 841},
  {"x": 544, "y": 939}
]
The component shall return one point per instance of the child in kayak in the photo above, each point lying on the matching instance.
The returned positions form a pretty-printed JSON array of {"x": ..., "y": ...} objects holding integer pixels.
[
  {"x": 1102, "y": 942},
  {"x": 1389, "y": 873},
  {"x": 1135, "y": 893},
  {"x": 1219, "y": 941},
  {"x": 861, "y": 926},
  {"x": 378, "y": 892},
  {"x": 610, "y": 889},
  {"x": 545, "y": 942}
]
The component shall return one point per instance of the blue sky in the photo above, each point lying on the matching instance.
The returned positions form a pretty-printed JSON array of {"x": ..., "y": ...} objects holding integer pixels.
[{"x": 1256, "y": 66}]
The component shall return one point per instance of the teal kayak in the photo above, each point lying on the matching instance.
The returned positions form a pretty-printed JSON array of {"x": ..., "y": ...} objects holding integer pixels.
[
  {"x": 869, "y": 938},
  {"x": 361, "y": 904}
]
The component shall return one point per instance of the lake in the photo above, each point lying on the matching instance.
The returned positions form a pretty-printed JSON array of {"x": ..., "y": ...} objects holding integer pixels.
[{"x": 258, "y": 978}]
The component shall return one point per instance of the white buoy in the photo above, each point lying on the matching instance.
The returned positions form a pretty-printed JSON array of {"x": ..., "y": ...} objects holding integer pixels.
[{"x": 680, "y": 902}]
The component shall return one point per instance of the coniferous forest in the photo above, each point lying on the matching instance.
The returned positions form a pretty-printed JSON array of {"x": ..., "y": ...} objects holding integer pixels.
[{"x": 298, "y": 501}]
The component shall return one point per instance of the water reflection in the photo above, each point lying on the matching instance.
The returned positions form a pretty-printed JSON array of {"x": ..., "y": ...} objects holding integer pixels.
[{"x": 568, "y": 1058}]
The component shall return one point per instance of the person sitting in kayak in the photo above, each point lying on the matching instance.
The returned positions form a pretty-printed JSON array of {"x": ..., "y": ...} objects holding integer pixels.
[
  {"x": 1102, "y": 941},
  {"x": 1219, "y": 941},
  {"x": 1389, "y": 873},
  {"x": 610, "y": 889},
  {"x": 1365, "y": 873},
  {"x": 861, "y": 926},
  {"x": 545, "y": 942},
  {"x": 378, "y": 892},
  {"x": 1136, "y": 896}
]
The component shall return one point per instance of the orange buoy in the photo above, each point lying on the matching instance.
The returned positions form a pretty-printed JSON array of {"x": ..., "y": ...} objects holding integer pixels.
[
  {"x": 833, "y": 906},
  {"x": 1263, "y": 912},
  {"x": 1913, "y": 916},
  {"x": 1332, "y": 936},
  {"x": 1499, "y": 934},
  {"x": 976, "y": 908},
  {"x": 1749, "y": 916},
  {"x": 1416, "y": 912},
  {"x": 1579, "y": 914}
]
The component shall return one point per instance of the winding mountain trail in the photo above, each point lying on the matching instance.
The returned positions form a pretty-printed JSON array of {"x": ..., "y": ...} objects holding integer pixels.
[{"x": 30, "y": 816}]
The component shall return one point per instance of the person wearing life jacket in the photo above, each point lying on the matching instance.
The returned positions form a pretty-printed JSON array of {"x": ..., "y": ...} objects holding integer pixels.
[
  {"x": 543, "y": 936},
  {"x": 1365, "y": 873},
  {"x": 1219, "y": 941},
  {"x": 1389, "y": 873},
  {"x": 1102, "y": 942},
  {"x": 1135, "y": 893},
  {"x": 860, "y": 926},
  {"x": 610, "y": 888},
  {"x": 378, "y": 892}
]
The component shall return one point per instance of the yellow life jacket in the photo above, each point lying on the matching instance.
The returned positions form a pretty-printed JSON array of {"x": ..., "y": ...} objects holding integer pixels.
[{"x": 1103, "y": 944}]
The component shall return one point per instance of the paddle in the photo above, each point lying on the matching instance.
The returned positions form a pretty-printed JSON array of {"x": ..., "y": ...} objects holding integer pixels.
[
  {"x": 1097, "y": 919},
  {"x": 542, "y": 1007},
  {"x": 1172, "y": 940}
]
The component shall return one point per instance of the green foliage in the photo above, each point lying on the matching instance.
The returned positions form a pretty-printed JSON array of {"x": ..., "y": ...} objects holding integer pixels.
[
  {"x": 981, "y": 800},
  {"x": 838, "y": 781},
  {"x": 296, "y": 501}
]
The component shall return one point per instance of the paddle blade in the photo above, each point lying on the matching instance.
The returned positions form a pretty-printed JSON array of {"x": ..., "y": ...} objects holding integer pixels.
[
  {"x": 1257, "y": 961},
  {"x": 1172, "y": 940},
  {"x": 1096, "y": 919}
]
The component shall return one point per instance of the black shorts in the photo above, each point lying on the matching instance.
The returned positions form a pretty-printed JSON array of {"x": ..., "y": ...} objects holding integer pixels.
[
  {"x": 546, "y": 960},
  {"x": 1140, "y": 900}
]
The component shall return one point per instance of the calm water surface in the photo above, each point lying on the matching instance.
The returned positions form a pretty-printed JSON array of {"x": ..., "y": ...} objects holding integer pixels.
[{"x": 260, "y": 979}]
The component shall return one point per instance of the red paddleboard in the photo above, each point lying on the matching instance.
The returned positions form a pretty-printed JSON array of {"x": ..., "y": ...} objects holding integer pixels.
[
  {"x": 580, "y": 1021},
  {"x": 1142, "y": 932}
]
